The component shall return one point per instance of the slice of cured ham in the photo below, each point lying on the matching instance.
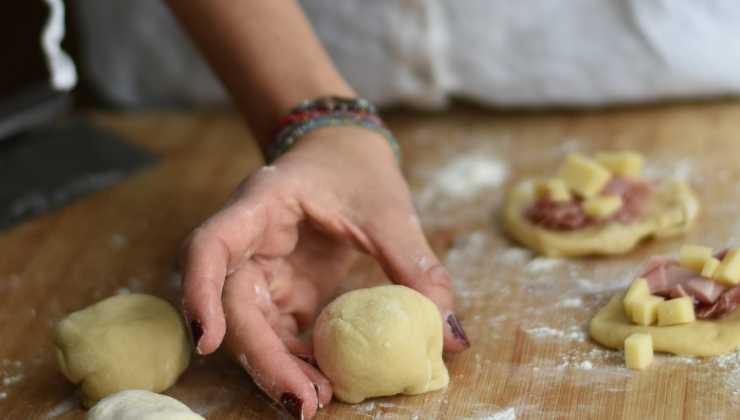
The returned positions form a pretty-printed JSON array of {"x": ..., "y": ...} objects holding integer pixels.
[
  {"x": 667, "y": 278},
  {"x": 570, "y": 215},
  {"x": 726, "y": 303}
]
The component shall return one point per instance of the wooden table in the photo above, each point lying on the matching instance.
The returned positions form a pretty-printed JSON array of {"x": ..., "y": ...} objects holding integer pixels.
[{"x": 531, "y": 357}]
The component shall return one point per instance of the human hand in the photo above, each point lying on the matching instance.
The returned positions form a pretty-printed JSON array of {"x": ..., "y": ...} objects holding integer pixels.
[{"x": 257, "y": 272}]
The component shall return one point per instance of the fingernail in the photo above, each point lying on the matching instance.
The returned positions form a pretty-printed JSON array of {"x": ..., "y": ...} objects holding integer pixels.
[
  {"x": 197, "y": 332},
  {"x": 293, "y": 405},
  {"x": 308, "y": 359},
  {"x": 457, "y": 329},
  {"x": 318, "y": 398}
]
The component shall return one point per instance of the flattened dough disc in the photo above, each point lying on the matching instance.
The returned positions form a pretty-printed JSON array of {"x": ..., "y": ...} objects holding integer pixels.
[
  {"x": 611, "y": 326},
  {"x": 672, "y": 211}
]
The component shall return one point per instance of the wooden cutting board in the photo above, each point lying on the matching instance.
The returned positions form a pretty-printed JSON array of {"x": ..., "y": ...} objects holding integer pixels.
[{"x": 531, "y": 357}]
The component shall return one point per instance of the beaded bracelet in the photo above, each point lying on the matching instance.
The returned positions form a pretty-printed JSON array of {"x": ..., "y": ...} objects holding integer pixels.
[{"x": 328, "y": 111}]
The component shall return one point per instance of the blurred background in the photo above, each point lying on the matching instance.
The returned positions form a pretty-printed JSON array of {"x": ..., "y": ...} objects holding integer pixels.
[{"x": 132, "y": 56}]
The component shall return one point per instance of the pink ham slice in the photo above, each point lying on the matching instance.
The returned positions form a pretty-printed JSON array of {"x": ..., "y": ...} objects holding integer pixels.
[
  {"x": 703, "y": 290},
  {"x": 557, "y": 216},
  {"x": 667, "y": 278},
  {"x": 726, "y": 303},
  {"x": 570, "y": 215},
  {"x": 677, "y": 292},
  {"x": 635, "y": 194}
]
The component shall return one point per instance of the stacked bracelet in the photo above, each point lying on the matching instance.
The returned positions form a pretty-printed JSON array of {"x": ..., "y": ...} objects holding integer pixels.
[{"x": 323, "y": 112}]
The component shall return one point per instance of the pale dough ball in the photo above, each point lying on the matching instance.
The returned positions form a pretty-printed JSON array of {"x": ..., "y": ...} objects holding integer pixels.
[
  {"x": 381, "y": 341},
  {"x": 140, "y": 405},
  {"x": 130, "y": 341}
]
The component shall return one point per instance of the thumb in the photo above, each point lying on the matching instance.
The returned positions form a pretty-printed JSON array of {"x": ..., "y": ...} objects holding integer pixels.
[{"x": 401, "y": 249}]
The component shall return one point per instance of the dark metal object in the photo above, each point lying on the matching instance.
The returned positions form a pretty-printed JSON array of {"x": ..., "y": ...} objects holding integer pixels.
[{"x": 44, "y": 168}]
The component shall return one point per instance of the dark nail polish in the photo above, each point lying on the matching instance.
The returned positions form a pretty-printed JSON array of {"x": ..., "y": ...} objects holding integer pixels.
[
  {"x": 197, "y": 331},
  {"x": 318, "y": 397},
  {"x": 457, "y": 329},
  {"x": 293, "y": 405}
]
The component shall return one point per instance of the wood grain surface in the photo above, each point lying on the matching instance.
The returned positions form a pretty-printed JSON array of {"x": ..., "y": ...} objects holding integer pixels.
[{"x": 531, "y": 357}]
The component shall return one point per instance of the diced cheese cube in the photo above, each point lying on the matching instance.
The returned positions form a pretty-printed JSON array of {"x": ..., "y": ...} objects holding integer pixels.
[
  {"x": 624, "y": 163},
  {"x": 676, "y": 311},
  {"x": 710, "y": 266},
  {"x": 555, "y": 189},
  {"x": 645, "y": 310},
  {"x": 638, "y": 290},
  {"x": 728, "y": 271},
  {"x": 602, "y": 206},
  {"x": 638, "y": 351},
  {"x": 693, "y": 257},
  {"x": 583, "y": 175}
]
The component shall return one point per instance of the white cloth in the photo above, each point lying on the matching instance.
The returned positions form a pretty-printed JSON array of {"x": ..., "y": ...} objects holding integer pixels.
[{"x": 421, "y": 52}]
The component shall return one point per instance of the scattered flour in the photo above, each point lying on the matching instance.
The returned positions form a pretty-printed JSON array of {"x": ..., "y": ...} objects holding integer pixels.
[
  {"x": 729, "y": 364},
  {"x": 365, "y": 407},
  {"x": 513, "y": 255},
  {"x": 14, "y": 379},
  {"x": 576, "y": 302},
  {"x": 461, "y": 179},
  {"x": 466, "y": 176},
  {"x": 585, "y": 365},
  {"x": 541, "y": 264},
  {"x": 506, "y": 414},
  {"x": 572, "y": 333},
  {"x": 3, "y": 395},
  {"x": 63, "y": 407}
]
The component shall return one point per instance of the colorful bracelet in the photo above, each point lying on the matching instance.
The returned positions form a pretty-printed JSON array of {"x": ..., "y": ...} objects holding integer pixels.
[{"x": 329, "y": 111}]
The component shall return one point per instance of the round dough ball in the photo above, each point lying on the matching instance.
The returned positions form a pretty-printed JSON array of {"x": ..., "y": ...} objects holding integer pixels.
[
  {"x": 381, "y": 341},
  {"x": 140, "y": 405},
  {"x": 672, "y": 211},
  {"x": 130, "y": 341}
]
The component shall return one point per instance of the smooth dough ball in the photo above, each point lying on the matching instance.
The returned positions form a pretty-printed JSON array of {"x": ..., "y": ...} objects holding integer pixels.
[
  {"x": 381, "y": 341},
  {"x": 140, "y": 405},
  {"x": 130, "y": 341}
]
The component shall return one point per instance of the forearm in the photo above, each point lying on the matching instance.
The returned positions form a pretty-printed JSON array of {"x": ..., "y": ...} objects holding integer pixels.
[{"x": 265, "y": 52}]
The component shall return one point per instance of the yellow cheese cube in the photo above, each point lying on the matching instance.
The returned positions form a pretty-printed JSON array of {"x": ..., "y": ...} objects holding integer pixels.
[
  {"x": 728, "y": 271},
  {"x": 709, "y": 268},
  {"x": 638, "y": 351},
  {"x": 693, "y": 257},
  {"x": 602, "y": 206},
  {"x": 638, "y": 291},
  {"x": 583, "y": 175},
  {"x": 645, "y": 310},
  {"x": 624, "y": 163},
  {"x": 554, "y": 188},
  {"x": 676, "y": 311}
]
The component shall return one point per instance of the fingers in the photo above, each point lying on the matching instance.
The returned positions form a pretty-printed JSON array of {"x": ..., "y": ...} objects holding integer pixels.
[
  {"x": 214, "y": 250},
  {"x": 321, "y": 383},
  {"x": 406, "y": 257},
  {"x": 268, "y": 361},
  {"x": 205, "y": 265}
]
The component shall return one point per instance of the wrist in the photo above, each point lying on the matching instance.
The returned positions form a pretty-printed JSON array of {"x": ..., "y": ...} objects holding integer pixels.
[
  {"x": 332, "y": 146},
  {"x": 325, "y": 112}
]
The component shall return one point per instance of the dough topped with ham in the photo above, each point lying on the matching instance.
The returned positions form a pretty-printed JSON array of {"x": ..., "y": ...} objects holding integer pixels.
[
  {"x": 635, "y": 194},
  {"x": 598, "y": 205},
  {"x": 668, "y": 278}
]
